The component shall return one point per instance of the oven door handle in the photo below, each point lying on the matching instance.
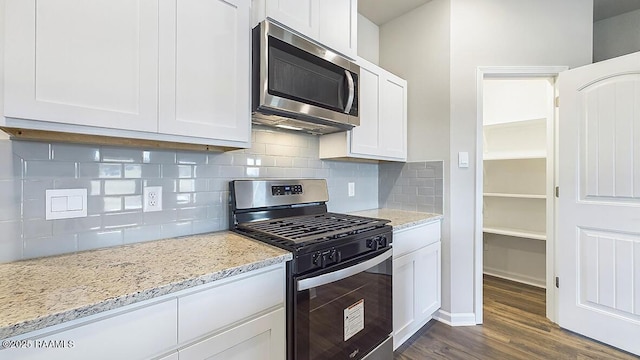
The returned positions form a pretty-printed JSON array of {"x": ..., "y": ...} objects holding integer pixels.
[{"x": 342, "y": 273}]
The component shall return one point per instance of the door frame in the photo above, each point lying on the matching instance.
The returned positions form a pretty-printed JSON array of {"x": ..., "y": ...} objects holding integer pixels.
[{"x": 510, "y": 72}]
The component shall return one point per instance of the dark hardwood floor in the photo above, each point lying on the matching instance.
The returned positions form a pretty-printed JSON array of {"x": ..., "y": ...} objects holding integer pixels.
[{"x": 515, "y": 327}]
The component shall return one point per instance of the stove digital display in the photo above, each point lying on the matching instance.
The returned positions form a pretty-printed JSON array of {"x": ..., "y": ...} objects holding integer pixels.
[{"x": 286, "y": 190}]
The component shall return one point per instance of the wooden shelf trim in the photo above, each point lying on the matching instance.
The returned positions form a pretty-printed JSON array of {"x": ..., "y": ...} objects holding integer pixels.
[{"x": 535, "y": 235}]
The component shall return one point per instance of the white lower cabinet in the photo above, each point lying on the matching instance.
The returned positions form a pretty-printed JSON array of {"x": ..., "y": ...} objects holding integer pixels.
[
  {"x": 416, "y": 279},
  {"x": 241, "y": 318},
  {"x": 262, "y": 338}
]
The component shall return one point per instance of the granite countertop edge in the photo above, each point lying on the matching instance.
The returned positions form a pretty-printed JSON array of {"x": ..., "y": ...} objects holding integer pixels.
[
  {"x": 113, "y": 303},
  {"x": 401, "y": 219}
]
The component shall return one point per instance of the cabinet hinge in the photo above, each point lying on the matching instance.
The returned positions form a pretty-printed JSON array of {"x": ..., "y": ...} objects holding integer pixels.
[
  {"x": 557, "y": 191},
  {"x": 558, "y": 282},
  {"x": 557, "y": 101}
]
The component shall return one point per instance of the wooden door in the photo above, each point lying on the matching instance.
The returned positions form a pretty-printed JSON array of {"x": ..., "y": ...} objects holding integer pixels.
[
  {"x": 92, "y": 62},
  {"x": 205, "y": 69},
  {"x": 599, "y": 204}
]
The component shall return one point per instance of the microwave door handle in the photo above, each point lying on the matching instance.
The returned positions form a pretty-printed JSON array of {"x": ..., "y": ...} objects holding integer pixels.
[
  {"x": 342, "y": 273},
  {"x": 352, "y": 91}
]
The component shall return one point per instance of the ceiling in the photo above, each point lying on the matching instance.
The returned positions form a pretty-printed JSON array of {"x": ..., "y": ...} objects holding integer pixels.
[{"x": 382, "y": 11}]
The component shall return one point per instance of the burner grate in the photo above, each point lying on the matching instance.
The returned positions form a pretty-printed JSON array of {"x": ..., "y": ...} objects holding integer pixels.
[{"x": 300, "y": 229}]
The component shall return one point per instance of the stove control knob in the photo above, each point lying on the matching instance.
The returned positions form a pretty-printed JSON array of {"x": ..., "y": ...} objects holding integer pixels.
[
  {"x": 335, "y": 256},
  {"x": 373, "y": 243},
  {"x": 382, "y": 241},
  {"x": 317, "y": 258}
]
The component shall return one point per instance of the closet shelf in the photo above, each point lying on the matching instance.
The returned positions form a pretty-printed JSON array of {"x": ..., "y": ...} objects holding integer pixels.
[
  {"x": 514, "y": 155},
  {"x": 535, "y": 235},
  {"x": 517, "y": 196}
]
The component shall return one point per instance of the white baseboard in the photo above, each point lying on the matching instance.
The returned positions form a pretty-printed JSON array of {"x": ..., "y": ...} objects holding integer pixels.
[
  {"x": 462, "y": 319},
  {"x": 541, "y": 283}
]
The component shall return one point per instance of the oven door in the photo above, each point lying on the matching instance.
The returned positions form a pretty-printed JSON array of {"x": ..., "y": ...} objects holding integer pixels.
[{"x": 344, "y": 313}]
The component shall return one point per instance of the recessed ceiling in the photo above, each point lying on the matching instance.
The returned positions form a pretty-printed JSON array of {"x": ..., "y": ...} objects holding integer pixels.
[
  {"x": 603, "y": 9},
  {"x": 382, "y": 11}
]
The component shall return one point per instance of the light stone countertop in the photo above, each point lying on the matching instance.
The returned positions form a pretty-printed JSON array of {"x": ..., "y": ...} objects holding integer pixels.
[
  {"x": 47, "y": 291},
  {"x": 401, "y": 219}
]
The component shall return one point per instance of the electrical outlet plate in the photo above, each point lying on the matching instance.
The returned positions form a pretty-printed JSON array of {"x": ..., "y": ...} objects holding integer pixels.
[
  {"x": 352, "y": 189},
  {"x": 152, "y": 198}
]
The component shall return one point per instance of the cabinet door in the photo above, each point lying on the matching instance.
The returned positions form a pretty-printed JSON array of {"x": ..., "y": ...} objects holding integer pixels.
[
  {"x": 82, "y": 62},
  {"x": 260, "y": 339},
  {"x": 137, "y": 334},
  {"x": 427, "y": 281},
  {"x": 404, "y": 305},
  {"x": 299, "y": 15},
  {"x": 338, "y": 26},
  {"x": 365, "y": 138},
  {"x": 204, "y": 68},
  {"x": 393, "y": 114}
]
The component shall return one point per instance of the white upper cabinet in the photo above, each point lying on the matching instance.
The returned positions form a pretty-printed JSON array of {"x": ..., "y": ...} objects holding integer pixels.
[
  {"x": 83, "y": 62},
  {"x": 204, "y": 69},
  {"x": 382, "y": 133},
  {"x": 299, "y": 15},
  {"x": 339, "y": 26},
  {"x": 167, "y": 70},
  {"x": 332, "y": 23}
]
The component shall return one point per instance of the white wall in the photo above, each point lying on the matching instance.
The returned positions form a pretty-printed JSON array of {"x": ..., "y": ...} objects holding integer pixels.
[
  {"x": 494, "y": 33},
  {"x": 368, "y": 40},
  {"x": 438, "y": 48},
  {"x": 416, "y": 47},
  {"x": 615, "y": 36}
]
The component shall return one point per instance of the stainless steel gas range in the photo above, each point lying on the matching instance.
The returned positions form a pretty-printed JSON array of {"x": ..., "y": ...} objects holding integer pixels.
[{"x": 339, "y": 281}]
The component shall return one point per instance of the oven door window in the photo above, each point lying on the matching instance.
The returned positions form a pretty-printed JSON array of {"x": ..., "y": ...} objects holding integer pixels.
[{"x": 345, "y": 318}]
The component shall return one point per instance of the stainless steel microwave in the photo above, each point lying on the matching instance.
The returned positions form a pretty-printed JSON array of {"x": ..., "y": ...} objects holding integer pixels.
[{"x": 300, "y": 85}]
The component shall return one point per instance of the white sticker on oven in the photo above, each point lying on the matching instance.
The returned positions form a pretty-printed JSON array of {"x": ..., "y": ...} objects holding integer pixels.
[{"x": 353, "y": 319}]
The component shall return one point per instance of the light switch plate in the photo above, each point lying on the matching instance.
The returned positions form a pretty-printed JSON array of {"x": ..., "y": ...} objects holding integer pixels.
[
  {"x": 65, "y": 203},
  {"x": 352, "y": 189},
  {"x": 463, "y": 159}
]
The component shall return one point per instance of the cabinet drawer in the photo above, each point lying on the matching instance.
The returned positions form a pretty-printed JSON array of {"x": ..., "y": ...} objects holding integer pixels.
[
  {"x": 206, "y": 311},
  {"x": 414, "y": 238},
  {"x": 138, "y": 334}
]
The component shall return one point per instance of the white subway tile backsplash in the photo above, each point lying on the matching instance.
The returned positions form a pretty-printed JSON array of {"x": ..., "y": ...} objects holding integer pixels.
[
  {"x": 121, "y": 220},
  {"x": 142, "y": 233},
  {"x": 132, "y": 171},
  {"x": 191, "y": 158},
  {"x": 96, "y": 240},
  {"x": 123, "y": 155},
  {"x": 122, "y": 187},
  {"x": 49, "y": 169},
  {"x": 48, "y": 246},
  {"x": 77, "y": 153},
  {"x": 150, "y": 171},
  {"x": 158, "y": 157},
  {"x": 194, "y": 185},
  {"x": 29, "y": 150},
  {"x": 10, "y": 196},
  {"x": 133, "y": 202},
  {"x": 412, "y": 186},
  {"x": 160, "y": 217},
  {"x": 35, "y": 188},
  {"x": 76, "y": 225}
]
